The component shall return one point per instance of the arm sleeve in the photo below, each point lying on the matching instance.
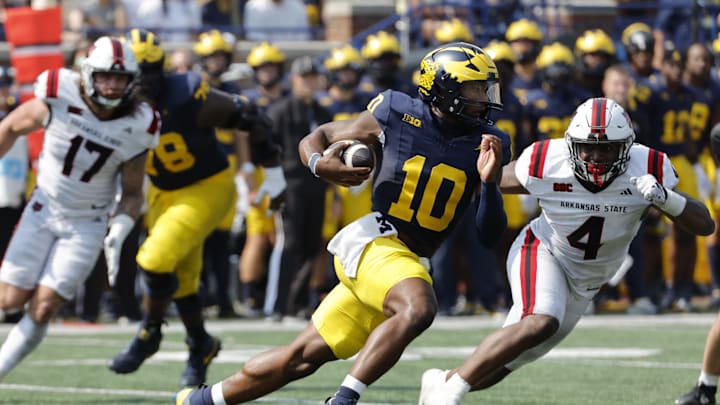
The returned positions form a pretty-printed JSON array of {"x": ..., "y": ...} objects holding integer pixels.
[{"x": 490, "y": 217}]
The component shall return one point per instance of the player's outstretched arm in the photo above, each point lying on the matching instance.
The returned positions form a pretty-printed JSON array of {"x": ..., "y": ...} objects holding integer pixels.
[
  {"x": 328, "y": 165},
  {"x": 682, "y": 209},
  {"x": 509, "y": 183},
  {"x": 490, "y": 217},
  {"x": 26, "y": 118}
]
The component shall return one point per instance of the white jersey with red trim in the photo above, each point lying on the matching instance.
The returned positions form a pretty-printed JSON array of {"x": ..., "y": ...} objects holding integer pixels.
[
  {"x": 588, "y": 233},
  {"x": 81, "y": 155}
]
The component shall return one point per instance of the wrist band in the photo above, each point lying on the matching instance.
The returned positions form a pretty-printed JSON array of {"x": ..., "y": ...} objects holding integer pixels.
[
  {"x": 312, "y": 162},
  {"x": 674, "y": 203}
]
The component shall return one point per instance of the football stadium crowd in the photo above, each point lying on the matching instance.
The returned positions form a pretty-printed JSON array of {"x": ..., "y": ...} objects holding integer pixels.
[{"x": 659, "y": 60}]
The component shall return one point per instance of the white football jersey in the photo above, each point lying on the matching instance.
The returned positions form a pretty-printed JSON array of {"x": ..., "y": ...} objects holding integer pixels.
[
  {"x": 81, "y": 155},
  {"x": 588, "y": 233}
]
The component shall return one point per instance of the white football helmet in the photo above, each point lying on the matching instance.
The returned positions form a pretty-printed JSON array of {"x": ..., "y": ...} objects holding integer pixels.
[
  {"x": 600, "y": 121},
  {"x": 109, "y": 55}
]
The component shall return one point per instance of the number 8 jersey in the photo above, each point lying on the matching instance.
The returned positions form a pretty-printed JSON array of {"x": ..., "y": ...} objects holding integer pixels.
[{"x": 81, "y": 155}]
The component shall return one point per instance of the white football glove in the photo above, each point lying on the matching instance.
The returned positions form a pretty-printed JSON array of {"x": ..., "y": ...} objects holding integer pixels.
[
  {"x": 703, "y": 182},
  {"x": 668, "y": 201},
  {"x": 650, "y": 189},
  {"x": 119, "y": 228},
  {"x": 273, "y": 186}
]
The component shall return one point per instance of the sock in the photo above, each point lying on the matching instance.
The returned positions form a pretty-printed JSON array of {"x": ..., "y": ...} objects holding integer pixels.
[
  {"x": 457, "y": 385},
  {"x": 354, "y": 387},
  {"x": 217, "y": 395},
  {"x": 23, "y": 338},
  {"x": 708, "y": 380},
  {"x": 197, "y": 335}
]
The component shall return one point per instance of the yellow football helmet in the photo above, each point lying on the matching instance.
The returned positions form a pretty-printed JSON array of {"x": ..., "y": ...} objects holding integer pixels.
[
  {"x": 265, "y": 53},
  {"x": 523, "y": 29},
  {"x": 377, "y": 45},
  {"x": 344, "y": 57},
  {"x": 555, "y": 65},
  {"x": 210, "y": 42},
  {"x": 453, "y": 31},
  {"x": 500, "y": 51},
  {"x": 595, "y": 41},
  {"x": 444, "y": 70},
  {"x": 553, "y": 54},
  {"x": 716, "y": 44}
]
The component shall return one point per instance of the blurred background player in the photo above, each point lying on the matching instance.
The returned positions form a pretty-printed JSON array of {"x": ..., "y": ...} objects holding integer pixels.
[
  {"x": 268, "y": 64},
  {"x": 595, "y": 52},
  {"x": 525, "y": 38},
  {"x": 550, "y": 107},
  {"x": 215, "y": 51},
  {"x": 191, "y": 190},
  {"x": 96, "y": 128},
  {"x": 381, "y": 52}
]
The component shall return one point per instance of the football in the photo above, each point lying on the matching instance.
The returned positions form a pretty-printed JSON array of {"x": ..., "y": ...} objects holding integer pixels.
[{"x": 357, "y": 154}]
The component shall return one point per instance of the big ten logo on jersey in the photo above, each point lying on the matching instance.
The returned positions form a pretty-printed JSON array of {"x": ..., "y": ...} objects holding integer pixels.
[
  {"x": 563, "y": 187},
  {"x": 553, "y": 127},
  {"x": 412, "y": 120},
  {"x": 202, "y": 91}
]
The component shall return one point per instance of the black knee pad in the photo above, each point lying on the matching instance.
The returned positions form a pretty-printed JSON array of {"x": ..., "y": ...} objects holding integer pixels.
[
  {"x": 160, "y": 285},
  {"x": 189, "y": 304}
]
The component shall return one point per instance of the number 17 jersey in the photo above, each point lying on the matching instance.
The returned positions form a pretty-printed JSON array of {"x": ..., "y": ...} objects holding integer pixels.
[{"x": 81, "y": 154}]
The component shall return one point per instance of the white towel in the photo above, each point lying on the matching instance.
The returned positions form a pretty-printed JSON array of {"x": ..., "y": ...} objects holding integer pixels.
[{"x": 349, "y": 243}]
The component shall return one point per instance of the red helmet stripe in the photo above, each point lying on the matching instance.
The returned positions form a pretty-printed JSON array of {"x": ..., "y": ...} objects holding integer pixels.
[
  {"x": 117, "y": 52},
  {"x": 598, "y": 117}
]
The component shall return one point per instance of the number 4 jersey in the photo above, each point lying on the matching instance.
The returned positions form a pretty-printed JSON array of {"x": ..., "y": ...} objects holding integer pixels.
[
  {"x": 588, "y": 233},
  {"x": 81, "y": 155}
]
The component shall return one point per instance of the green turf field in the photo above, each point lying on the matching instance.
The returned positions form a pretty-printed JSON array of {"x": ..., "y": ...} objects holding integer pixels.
[{"x": 607, "y": 360}]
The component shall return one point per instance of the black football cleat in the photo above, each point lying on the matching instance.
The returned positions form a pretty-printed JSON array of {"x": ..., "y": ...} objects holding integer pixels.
[
  {"x": 199, "y": 360},
  {"x": 337, "y": 401},
  {"x": 143, "y": 345},
  {"x": 700, "y": 395}
]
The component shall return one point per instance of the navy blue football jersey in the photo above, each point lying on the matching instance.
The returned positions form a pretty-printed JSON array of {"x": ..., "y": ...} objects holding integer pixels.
[
  {"x": 367, "y": 85},
  {"x": 668, "y": 117},
  {"x": 427, "y": 173},
  {"x": 186, "y": 153},
  {"x": 509, "y": 120},
  {"x": 551, "y": 113}
]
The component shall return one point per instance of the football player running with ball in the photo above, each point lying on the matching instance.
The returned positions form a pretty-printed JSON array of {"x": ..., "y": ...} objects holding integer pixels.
[
  {"x": 594, "y": 188},
  {"x": 192, "y": 188},
  {"x": 95, "y": 129},
  {"x": 435, "y": 152}
]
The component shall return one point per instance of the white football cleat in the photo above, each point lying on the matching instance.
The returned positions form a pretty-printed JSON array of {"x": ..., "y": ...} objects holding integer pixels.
[{"x": 433, "y": 389}]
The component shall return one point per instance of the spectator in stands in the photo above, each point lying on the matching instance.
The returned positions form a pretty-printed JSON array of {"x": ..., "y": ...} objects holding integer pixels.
[
  {"x": 98, "y": 17},
  {"x": 176, "y": 20},
  {"x": 275, "y": 20},
  {"x": 222, "y": 15}
]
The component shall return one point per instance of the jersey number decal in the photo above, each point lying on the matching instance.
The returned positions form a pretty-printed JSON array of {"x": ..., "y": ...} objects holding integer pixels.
[
  {"x": 592, "y": 227},
  {"x": 103, "y": 154},
  {"x": 173, "y": 153},
  {"x": 401, "y": 208}
]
